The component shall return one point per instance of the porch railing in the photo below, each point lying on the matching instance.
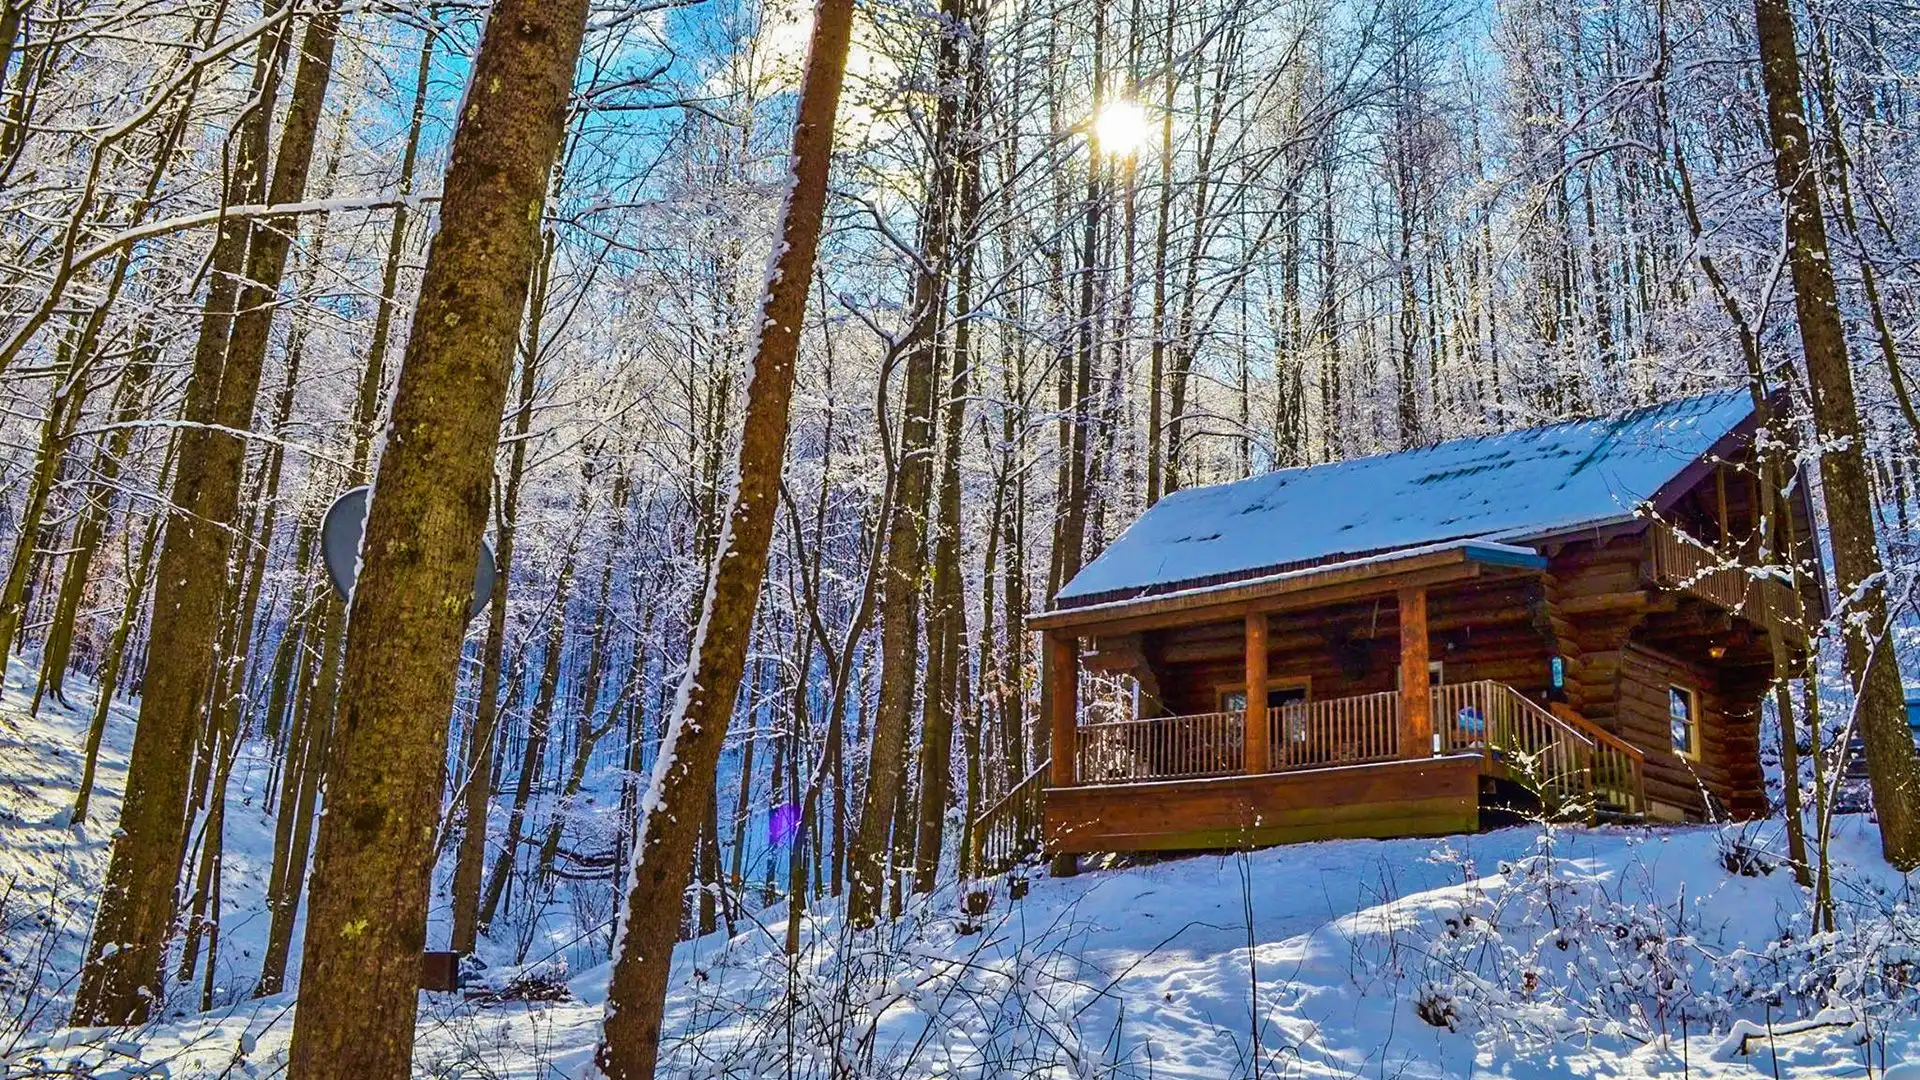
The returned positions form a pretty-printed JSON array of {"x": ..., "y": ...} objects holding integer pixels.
[
  {"x": 1339, "y": 731},
  {"x": 1160, "y": 748},
  {"x": 1301, "y": 735},
  {"x": 1568, "y": 760}
]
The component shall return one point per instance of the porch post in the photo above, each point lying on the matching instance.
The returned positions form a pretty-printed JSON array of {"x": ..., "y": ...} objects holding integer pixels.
[
  {"x": 1063, "y": 661},
  {"x": 1256, "y": 756},
  {"x": 1416, "y": 699}
]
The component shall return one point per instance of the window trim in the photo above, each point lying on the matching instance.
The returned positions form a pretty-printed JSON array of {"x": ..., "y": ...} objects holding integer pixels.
[
  {"x": 1436, "y": 674},
  {"x": 1692, "y": 753},
  {"x": 1275, "y": 682}
]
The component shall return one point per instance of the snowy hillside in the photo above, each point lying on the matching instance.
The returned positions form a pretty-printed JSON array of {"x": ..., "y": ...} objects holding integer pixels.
[
  {"x": 51, "y": 869},
  {"x": 1518, "y": 953}
]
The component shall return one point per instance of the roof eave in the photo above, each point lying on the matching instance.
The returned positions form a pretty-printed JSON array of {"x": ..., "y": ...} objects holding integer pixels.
[{"x": 1471, "y": 553}]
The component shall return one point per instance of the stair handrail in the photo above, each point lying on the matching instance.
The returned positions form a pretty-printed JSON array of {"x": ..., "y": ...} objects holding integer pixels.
[
  {"x": 1581, "y": 726},
  {"x": 1017, "y": 789},
  {"x": 1009, "y": 803},
  {"x": 1595, "y": 736}
]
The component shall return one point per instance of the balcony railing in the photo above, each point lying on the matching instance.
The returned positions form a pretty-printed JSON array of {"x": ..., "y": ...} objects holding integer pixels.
[{"x": 1682, "y": 563}]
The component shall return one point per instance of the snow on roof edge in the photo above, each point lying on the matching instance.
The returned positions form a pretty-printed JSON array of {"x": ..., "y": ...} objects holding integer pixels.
[
  {"x": 1477, "y": 549},
  {"x": 1528, "y": 483}
]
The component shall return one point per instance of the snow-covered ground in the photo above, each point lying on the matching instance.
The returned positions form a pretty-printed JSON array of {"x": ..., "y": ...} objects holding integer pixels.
[
  {"x": 1519, "y": 953},
  {"x": 51, "y": 868}
]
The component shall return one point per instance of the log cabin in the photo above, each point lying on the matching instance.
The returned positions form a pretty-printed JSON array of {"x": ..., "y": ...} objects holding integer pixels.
[{"x": 1578, "y": 620}]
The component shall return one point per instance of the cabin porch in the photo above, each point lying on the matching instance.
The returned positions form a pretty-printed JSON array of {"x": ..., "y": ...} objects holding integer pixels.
[
  {"x": 1329, "y": 769},
  {"x": 1336, "y": 768},
  {"x": 1333, "y": 754}
]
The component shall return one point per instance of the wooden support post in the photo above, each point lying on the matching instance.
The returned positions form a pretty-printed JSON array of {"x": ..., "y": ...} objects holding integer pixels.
[
  {"x": 1257, "y": 756},
  {"x": 1416, "y": 698},
  {"x": 1724, "y": 543},
  {"x": 1063, "y": 681},
  {"x": 1063, "y": 676}
]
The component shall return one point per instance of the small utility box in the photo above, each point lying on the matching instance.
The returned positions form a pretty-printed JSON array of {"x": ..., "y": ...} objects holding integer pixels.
[{"x": 440, "y": 971}]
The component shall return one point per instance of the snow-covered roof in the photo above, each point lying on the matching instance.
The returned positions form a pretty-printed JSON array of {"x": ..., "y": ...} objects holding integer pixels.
[{"x": 1521, "y": 484}]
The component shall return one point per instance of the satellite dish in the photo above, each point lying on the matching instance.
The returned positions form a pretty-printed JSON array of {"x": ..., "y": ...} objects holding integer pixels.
[{"x": 340, "y": 532}]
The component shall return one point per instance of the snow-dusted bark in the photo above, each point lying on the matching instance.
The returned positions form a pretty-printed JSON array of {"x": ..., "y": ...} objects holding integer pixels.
[{"x": 683, "y": 772}]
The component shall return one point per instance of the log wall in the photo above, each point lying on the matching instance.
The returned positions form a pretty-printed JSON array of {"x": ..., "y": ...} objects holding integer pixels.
[{"x": 1481, "y": 631}]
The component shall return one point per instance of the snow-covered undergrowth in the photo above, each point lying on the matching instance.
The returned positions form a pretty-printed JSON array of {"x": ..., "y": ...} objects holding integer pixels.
[
  {"x": 51, "y": 868},
  {"x": 1523, "y": 953}
]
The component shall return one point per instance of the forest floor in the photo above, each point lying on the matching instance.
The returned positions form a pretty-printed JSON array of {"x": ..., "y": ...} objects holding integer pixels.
[{"x": 1524, "y": 952}]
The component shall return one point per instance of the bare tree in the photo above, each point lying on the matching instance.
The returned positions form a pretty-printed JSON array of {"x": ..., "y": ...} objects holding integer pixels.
[{"x": 683, "y": 773}]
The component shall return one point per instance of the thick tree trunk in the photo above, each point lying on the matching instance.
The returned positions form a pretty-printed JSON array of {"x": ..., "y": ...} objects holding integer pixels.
[
  {"x": 367, "y": 921},
  {"x": 684, "y": 769},
  {"x": 121, "y": 985},
  {"x": 1892, "y": 766},
  {"x": 946, "y": 617},
  {"x": 320, "y": 616},
  {"x": 229, "y": 702}
]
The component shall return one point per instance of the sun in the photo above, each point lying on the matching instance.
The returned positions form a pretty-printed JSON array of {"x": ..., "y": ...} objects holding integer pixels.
[{"x": 1120, "y": 128}]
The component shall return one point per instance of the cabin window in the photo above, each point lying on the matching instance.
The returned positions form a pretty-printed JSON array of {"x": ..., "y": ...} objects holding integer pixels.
[
  {"x": 1436, "y": 674},
  {"x": 1233, "y": 696},
  {"x": 1683, "y": 716}
]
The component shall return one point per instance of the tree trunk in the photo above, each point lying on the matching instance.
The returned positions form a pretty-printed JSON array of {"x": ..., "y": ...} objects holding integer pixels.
[
  {"x": 1892, "y": 766},
  {"x": 229, "y": 701},
  {"x": 367, "y": 923},
  {"x": 306, "y": 757},
  {"x": 93, "y": 523},
  {"x": 1162, "y": 233},
  {"x": 907, "y": 527},
  {"x": 136, "y": 910},
  {"x": 590, "y": 732},
  {"x": 684, "y": 768},
  {"x": 116, "y": 655},
  {"x": 471, "y": 856},
  {"x": 946, "y": 618},
  {"x": 534, "y": 753}
]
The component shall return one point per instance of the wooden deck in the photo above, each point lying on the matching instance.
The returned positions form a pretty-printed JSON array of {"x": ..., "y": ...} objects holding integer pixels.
[
  {"x": 1338, "y": 768},
  {"x": 1428, "y": 797}
]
